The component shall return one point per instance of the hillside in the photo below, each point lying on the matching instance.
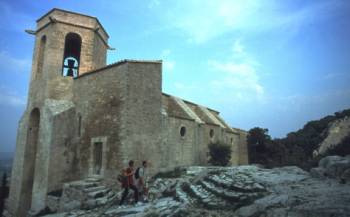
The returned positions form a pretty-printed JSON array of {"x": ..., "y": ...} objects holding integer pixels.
[
  {"x": 5, "y": 162},
  {"x": 303, "y": 148}
]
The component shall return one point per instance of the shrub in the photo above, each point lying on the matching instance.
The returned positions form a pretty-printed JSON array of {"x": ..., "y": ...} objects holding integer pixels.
[
  {"x": 176, "y": 173},
  {"x": 342, "y": 149},
  {"x": 3, "y": 192},
  {"x": 219, "y": 153}
]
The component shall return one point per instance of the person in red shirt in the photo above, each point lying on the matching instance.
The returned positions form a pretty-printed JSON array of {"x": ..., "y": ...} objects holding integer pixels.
[{"x": 129, "y": 173}]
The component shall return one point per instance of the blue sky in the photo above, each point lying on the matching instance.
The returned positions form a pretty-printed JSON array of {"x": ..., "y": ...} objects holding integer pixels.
[{"x": 268, "y": 63}]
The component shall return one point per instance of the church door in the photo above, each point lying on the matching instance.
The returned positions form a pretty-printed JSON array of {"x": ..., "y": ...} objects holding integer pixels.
[{"x": 97, "y": 158}]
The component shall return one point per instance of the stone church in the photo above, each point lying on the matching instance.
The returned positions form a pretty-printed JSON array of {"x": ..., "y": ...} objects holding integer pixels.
[{"x": 85, "y": 118}]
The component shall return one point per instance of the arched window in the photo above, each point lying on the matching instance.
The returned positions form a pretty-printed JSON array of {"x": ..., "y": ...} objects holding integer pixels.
[
  {"x": 211, "y": 133},
  {"x": 30, "y": 152},
  {"x": 41, "y": 55},
  {"x": 71, "y": 57},
  {"x": 182, "y": 131}
]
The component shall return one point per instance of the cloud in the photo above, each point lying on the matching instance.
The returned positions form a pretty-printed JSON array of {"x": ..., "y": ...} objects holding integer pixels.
[
  {"x": 238, "y": 76},
  {"x": 333, "y": 75},
  {"x": 9, "y": 64},
  {"x": 153, "y": 3},
  {"x": 201, "y": 21},
  {"x": 167, "y": 63},
  {"x": 11, "y": 98}
]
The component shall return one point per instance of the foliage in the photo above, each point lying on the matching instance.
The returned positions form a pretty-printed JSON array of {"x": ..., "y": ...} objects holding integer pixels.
[
  {"x": 4, "y": 180},
  {"x": 258, "y": 137},
  {"x": 3, "y": 192},
  {"x": 341, "y": 149},
  {"x": 176, "y": 173},
  {"x": 257, "y": 141},
  {"x": 219, "y": 153},
  {"x": 297, "y": 147}
]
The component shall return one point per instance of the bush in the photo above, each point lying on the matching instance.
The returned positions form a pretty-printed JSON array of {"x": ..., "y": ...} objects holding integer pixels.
[
  {"x": 297, "y": 147},
  {"x": 4, "y": 190},
  {"x": 258, "y": 143},
  {"x": 219, "y": 153},
  {"x": 342, "y": 149},
  {"x": 176, "y": 173}
]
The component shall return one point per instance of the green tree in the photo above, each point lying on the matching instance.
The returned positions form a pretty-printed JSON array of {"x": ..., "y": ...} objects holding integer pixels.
[
  {"x": 257, "y": 141},
  {"x": 4, "y": 180},
  {"x": 258, "y": 136},
  {"x": 3, "y": 192},
  {"x": 219, "y": 153}
]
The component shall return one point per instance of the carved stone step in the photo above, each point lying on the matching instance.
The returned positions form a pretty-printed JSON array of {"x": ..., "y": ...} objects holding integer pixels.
[
  {"x": 206, "y": 198},
  {"x": 93, "y": 179},
  {"x": 98, "y": 193},
  {"x": 82, "y": 184},
  {"x": 234, "y": 198},
  {"x": 97, "y": 188},
  {"x": 225, "y": 194},
  {"x": 235, "y": 185}
]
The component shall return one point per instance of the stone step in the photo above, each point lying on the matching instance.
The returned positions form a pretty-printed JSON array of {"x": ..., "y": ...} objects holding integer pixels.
[
  {"x": 93, "y": 179},
  {"x": 111, "y": 194},
  {"x": 95, "y": 188},
  {"x": 126, "y": 211},
  {"x": 206, "y": 198},
  {"x": 82, "y": 184},
  {"x": 98, "y": 193},
  {"x": 235, "y": 185},
  {"x": 99, "y": 201},
  {"x": 235, "y": 199},
  {"x": 225, "y": 194},
  {"x": 106, "y": 199},
  {"x": 181, "y": 195}
]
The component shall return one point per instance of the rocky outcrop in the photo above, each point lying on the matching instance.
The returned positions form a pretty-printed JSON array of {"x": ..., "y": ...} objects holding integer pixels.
[
  {"x": 336, "y": 132},
  {"x": 244, "y": 191},
  {"x": 333, "y": 167}
]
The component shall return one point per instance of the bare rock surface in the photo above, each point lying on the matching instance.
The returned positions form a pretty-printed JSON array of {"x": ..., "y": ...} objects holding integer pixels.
[
  {"x": 244, "y": 191},
  {"x": 335, "y": 167}
]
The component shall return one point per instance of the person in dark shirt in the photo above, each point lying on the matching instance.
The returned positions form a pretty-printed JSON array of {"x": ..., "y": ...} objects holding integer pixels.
[{"x": 129, "y": 173}]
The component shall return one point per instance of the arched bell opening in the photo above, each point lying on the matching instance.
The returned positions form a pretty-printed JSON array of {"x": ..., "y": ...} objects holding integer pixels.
[{"x": 71, "y": 57}]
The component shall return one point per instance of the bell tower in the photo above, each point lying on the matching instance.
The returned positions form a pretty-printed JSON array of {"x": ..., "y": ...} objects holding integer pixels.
[{"x": 67, "y": 45}]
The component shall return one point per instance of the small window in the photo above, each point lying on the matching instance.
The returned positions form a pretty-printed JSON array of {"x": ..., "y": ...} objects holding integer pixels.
[
  {"x": 211, "y": 133},
  {"x": 182, "y": 131},
  {"x": 41, "y": 55},
  {"x": 231, "y": 140},
  {"x": 79, "y": 125}
]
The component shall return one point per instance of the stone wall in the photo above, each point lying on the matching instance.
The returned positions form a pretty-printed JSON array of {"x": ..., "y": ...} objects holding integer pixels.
[
  {"x": 179, "y": 150},
  {"x": 141, "y": 134},
  {"x": 100, "y": 98},
  {"x": 63, "y": 154},
  {"x": 192, "y": 149}
]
